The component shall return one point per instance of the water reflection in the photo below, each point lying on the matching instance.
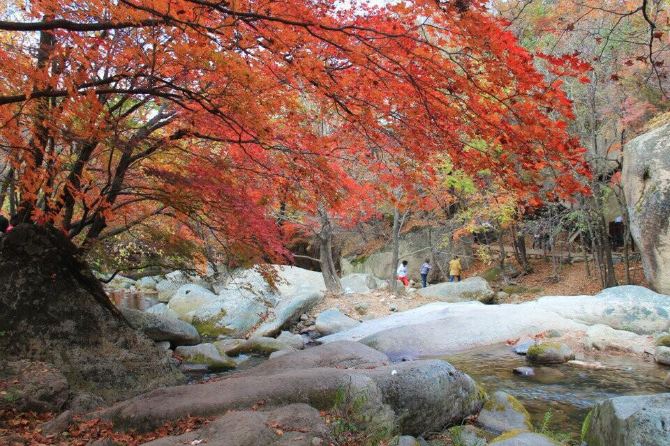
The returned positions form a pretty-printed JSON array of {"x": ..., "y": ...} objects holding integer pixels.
[
  {"x": 133, "y": 299},
  {"x": 567, "y": 390}
]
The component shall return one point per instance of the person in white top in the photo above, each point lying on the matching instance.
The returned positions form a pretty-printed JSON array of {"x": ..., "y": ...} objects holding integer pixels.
[{"x": 402, "y": 273}]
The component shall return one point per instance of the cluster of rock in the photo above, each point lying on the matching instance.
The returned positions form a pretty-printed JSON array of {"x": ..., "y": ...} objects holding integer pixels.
[
  {"x": 244, "y": 309},
  {"x": 344, "y": 380}
]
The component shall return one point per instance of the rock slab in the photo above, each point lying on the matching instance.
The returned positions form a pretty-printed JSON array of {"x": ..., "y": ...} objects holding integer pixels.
[{"x": 630, "y": 421}]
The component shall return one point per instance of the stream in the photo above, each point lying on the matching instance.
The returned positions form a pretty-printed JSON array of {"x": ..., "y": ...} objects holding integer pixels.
[{"x": 567, "y": 391}]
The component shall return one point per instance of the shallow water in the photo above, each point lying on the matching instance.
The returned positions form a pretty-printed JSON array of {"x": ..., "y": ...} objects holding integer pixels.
[
  {"x": 568, "y": 391},
  {"x": 135, "y": 300}
]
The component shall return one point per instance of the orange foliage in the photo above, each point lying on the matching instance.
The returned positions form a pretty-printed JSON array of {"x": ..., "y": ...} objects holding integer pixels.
[{"x": 218, "y": 113}]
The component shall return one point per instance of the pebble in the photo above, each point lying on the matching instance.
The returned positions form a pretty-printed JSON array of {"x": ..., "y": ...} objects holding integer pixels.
[
  {"x": 521, "y": 348},
  {"x": 304, "y": 317},
  {"x": 524, "y": 371},
  {"x": 393, "y": 308}
]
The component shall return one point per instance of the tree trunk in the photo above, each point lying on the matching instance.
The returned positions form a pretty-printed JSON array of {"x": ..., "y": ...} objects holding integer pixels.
[
  {"x": 328, "y": 269},
  {"x": 395, "y": 258},
  {"x": 53, "y": 309}
]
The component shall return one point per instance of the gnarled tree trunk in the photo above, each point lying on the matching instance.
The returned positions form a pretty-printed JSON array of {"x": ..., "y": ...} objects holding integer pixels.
[{"x": 52, "y": 309}]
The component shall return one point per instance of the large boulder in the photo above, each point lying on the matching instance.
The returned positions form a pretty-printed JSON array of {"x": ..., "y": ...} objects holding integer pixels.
[
  {"x": 294, "y": 280},
  {"x": 503, "y": 413},
  {"x": 162, "y": 328},
  {"x": 288, "y": 311},
  {"x": 359, "y": 283},
  {"x": 442, "y": 328},
  {"x": 550, "y": 353},
  {"x": 168, "y": 287},
  {"x": 472, "y": 288},
  {"x": 646, "y": 185},
  {"x": 631, "y": 308},
  {"x": 630, "y": 421},
  {"x": 233, "y": 313},
  {"x": 206, "y": 354},
  {"x": 190, "y": 298},
  {"x": 53, "y": 309},
  {"x": 294, "y": 425},
  {"x": 162, "y": 309},
  {"x": 413, "y": 394},
  {"x": 603, "y": 337},
  {"x": 332, "y": 321},
  {"x": 521, "y": 438}
]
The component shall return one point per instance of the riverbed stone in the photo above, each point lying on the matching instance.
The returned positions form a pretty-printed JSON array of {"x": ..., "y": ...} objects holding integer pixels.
[
  {"x": 288, "y": 311},
  {"x": 467, "y": 435},
  {"x": 359, "y": 283},
  {"x": 168, "y": 287},
  {"x": 629, "y": 307},
  {"x": 663, "y": 340},
  {"x": 524, "y": 371},
  {"x": 233, "y": 313},
  {"x": 662, "y": 355},
  {"x": 405, "y": 440},
  {"x": 503, "y": 413},
  {"x": 412, "y": 395},
  {"x": 332, "y": 321},
  {"x": 190, "y": 298},
  {"x": 147, "y": 283},
  {"x": 666, "y": 382},
  {"x": 521, "y": 347},
  {"x": 442, "y": 328},
  {"x": 630, "y": 421},
  {"x": 472, "y": 288},
  {"x": 161, "y": 309},
  {"x": 520, "y": 438},
  {"x": 646, "y": 185},
  {"x": 602, "y": 337},
  {"x": 205, "y": 354},
  {"x": 550, "y": 353},
  {"x": 161, "y": 328},
  {"x": 292, "y": 340},
  {"x": 262, "y": 345},
  {"x": 292, "y": 425}
]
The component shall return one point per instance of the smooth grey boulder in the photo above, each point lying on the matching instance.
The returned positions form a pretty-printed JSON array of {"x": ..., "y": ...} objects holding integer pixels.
[
  {"x": 295, "y": 341},
  {"x": 206, "y": 354},
  {"x": 472, "y": 288},
  {"x": 523, "y": 439},
  {"x": 162, "y": 328},
  {"x": 442, "y": 328},
  {"x": 630, "y": 421},
  {"x": 427, "y": 396},
  {"x": 646, "y": 185},
  {"x": 168, "y": 287},
  {"x": 662, "y": 355},
  {"x": 603, "y": 337},
  {"x": 162, "y": 309},
  {"x": 503, "y": 413},
  {"x": 288, "y": 311},
  {"x": 292, "y": 425},
  {"x": 411, "y": 395},
  {"x": 405, "y": 440},
  {"x": 629, "y": 307},
  {"x": 260, "y": 345},
  {"x": 233, "y": 313},
  {"x": 359, "y": 283},
  {"x": 147, "y": 283},
  {"x": 333, "y": 321},
  {"x": 467, "y": 435},
  {"x": 550, "y": 353},
  {"x": 190, "y": 298}
]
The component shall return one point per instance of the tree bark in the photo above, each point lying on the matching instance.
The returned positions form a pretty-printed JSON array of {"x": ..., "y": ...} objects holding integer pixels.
[{"x": 325, "y": 236}]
